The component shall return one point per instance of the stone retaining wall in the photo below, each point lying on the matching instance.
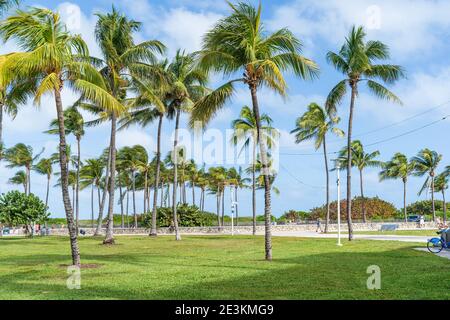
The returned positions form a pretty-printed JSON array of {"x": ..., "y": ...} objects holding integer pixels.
[{"x": 249, "y": 229}]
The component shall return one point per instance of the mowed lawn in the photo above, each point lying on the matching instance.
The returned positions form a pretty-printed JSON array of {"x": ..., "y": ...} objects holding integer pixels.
[{"x": 220, "y": 267}]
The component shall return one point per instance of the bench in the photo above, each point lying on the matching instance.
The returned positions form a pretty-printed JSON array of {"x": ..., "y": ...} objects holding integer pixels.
[{"x": 389, "y": 227}]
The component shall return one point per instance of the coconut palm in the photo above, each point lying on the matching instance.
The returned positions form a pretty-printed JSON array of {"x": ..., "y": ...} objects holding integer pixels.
[
  {"x": 357, "y": 61},
  {"x": 45, "y": 167},
  {"x": 91, "y": 174},
  {"x": 21, "y": 155},
  {"x": 217, "y": 177},
  {"x": 7, "y": 4},
  {"x": 441, "y": 185},
  {"x": 20, "y": 178},
  {"x": 238, "y": 44},
  {"x": 73, "y": 124},
  {"x": 399, "y": 167},
  {"x": 426, "y": 163},
  {"x": 315, "y": 124},
  {"x": 186, "y": 86},
  {"x": 360, "y": 160},
  {"x": 122, "y": 58},
  {"x": 53, "y": 57},
  {"x": 245, "y": 133}
]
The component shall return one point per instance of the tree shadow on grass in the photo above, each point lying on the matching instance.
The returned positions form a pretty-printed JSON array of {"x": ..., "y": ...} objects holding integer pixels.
[{"x": 405, "y": 274}]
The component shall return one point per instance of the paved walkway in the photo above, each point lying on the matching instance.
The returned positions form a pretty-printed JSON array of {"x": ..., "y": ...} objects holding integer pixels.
[{"x": 443, "y": 254}]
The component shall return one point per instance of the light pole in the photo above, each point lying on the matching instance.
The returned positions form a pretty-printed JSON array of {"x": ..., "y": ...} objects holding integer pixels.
[
  {"x": 233, "y": 204},
  {"x": 338, "y": 182}
]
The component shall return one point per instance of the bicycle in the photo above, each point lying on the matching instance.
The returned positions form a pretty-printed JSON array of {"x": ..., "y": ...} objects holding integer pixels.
[{"x": 436, "y": 245}]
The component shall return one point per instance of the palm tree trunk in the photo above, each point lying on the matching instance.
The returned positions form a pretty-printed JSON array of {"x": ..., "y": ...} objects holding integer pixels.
[
  {"x": 363, "y": 200},
  {"x": 77, "y": 199},
  {"x": 404, "y": 200},
  {"x": 223, "y": 207},
  {"x": 219, "y": 224},
  {"x": 444, "y": 206},
  {"x": 1, "y": 122},
  {"x": 432, "y": 197},
  {"x": 28, "y": 170},
  {"x": 92, "y": 205},
  {"x": 65, "y": 181},
  {"x": 265, "y": 172},
  {"x": 48, "y": 191},
  {"x": 236, "y": 206},
  {"x": 146, "y": 193},
  {"x": 254, "y": 187},
  {"x": 153, "y": 231},
  {"x": 105, "y": 192},
  {"x": 109, "y": 238},
  {"x": 193, "y": 193},
  {"x": 128, "y": 207},
  {"x": 175, "y": 176},
  {"x": 327, "y": 220},
  {"x": 122, "y": 218},
  {"x": 134, "y": 198},
  {"x": 349, "y": 163}
]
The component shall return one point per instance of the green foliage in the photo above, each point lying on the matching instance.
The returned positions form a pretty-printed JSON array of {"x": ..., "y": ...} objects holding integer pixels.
[
  {"x": 376, "y": 208},
  {"x": 17, "y": 208},
  {"x": 294, "y": 216},
  {"x": 424, "y": 207},
  {"x": 188, "y": 216}
]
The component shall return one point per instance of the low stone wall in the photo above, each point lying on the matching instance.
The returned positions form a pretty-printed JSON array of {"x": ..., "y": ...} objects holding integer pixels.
[{"x": 249, "y": 229}]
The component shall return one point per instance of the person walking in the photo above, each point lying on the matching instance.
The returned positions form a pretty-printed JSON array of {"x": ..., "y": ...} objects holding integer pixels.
[{"x": 319, "y": 226}]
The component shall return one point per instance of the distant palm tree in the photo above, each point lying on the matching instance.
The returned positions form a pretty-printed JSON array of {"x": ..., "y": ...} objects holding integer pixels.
[
  {"x": 315, "y": 124},
  {"x": 21, "y": 155},
  {"x": 217, "y": 177},
  {"x": 20, "y": 178},
  {"x": 246, "y": 134},
  {"x": 399, "y": 167},
  {"x": 441, "y": 185},
  {"x": 237, "y": 181},
  {"x": 73, "y": 124},
  {"x": 238, "y": 44},
  {"x": 360, "y": 160},
  {"x": 91, "y": 174},
  {"x": 426, "y": 163},
  {"x": 357, "y": 61},
  {"x": 45, "y": 167}
]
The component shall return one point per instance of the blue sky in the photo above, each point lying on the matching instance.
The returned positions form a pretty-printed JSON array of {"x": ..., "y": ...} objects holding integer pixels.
[{"x": 416, "y": 31}]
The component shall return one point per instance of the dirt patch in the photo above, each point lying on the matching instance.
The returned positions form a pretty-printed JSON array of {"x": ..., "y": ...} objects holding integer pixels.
[{"x": 84, "y": 266}]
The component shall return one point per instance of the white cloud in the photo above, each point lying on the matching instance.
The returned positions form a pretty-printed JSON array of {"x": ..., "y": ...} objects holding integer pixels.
[{"x": 407, "y": 26}]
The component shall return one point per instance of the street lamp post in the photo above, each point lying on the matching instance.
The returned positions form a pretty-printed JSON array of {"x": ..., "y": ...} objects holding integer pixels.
[
  {"x": 233, "y": 204},
  {"x": 338, "y": 169}
]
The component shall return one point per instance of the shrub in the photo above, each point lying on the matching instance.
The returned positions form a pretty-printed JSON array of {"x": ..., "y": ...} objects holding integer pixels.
[
  {"x": 188, "y": 216},
  {"x": 424, "y": 207},
  {"x": 294, "y": 216},
  {"x": 17, "y": 209},
  {"x": 376, "y": 209}
]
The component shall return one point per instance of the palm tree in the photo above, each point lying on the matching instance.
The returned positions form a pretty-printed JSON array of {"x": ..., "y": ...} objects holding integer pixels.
[
  {"x": 21, "y": 155},
  {"x": 186, "y": 86},
  {"x": 217, "y": 177},
  {"x": 45, "y": 167},
  {"x": 20, "y": 178},
  {"x": 441, "y": 185},
  {"x": 7, "y": 4},
  {"x": 245, "y": 133},
  {"x": 238, "y": 44},
  {"x": 398, "y": 168},
  {"x": 121, "y": 59},
  {"x": 360, "y": 160},
  {"x": 426, "y": 162},
  {"x": 73, "y": 124},
  {"x": 315, "y": 124},
  {"x": 132, "y": 158},
  {"x": 53, "y": 56},
  {"x": 237, "y": 181},
  {"x": 357, "y": 61},
  {"x": 91, "y": 174}
]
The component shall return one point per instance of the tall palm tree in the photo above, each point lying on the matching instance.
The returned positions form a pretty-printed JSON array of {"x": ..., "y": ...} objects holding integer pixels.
[
  {"x": 187, "y": 85},
  {"x": 21, "y": 155},
  {"x": 238, "y": 44},
  {"x": 45, "y": 167},
  {"x": 357, "y": 61},
  {"x": 91, "y": 174},
  {"x": 52, "y": 56},
  {"x": 315, "y": 124},
  {"x": 73, "y": 124},
  {"x": 441, "y": 185},
  {"x": 426, "y": 163},
  {"x": 20, "y": 178},
  {"x": 217, "y": 177},
  {"x": 360, "y": 160},
  {"x": 399, "y": 167},
  {"x": 122, "y": 58},
  {"x": 246, "y": 133}
]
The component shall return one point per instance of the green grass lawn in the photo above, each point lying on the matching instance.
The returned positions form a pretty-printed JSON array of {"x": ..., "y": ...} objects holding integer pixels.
[
  {"x": 430, "y": 233},
  {"x": 219, "y": 267}
]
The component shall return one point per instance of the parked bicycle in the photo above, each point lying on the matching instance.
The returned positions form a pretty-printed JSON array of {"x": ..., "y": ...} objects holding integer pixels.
[{"x": 436, "y": 245}]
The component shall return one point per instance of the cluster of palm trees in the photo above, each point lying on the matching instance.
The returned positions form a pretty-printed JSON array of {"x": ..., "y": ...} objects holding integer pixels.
[{"x": 135, "y": 84}]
